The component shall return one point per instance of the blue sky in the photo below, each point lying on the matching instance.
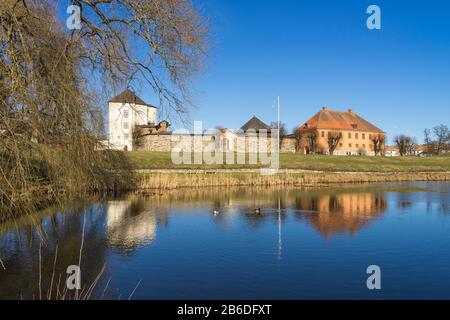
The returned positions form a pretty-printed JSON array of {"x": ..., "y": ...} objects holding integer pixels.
[{"x": 320, "y": 53}]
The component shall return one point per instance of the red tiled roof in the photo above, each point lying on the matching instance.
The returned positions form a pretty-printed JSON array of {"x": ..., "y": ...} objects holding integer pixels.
[{"x": 329, "y": 119}]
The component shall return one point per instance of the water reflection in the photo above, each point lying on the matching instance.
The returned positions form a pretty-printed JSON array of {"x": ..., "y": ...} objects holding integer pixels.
[
  {"x": 129, "y": 225},
  {"x": 227, "y": 217},
  {"x": 340, "y": 213}
]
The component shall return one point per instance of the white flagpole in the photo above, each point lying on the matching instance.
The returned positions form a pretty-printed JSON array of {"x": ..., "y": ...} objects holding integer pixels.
[{"x": 278, "y": 124}]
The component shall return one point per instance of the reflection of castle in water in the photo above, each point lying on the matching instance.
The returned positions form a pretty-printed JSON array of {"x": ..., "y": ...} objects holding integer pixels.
[
  {"x": 129, "y": 225},
  {"x": 342, "y": 213},
  {"x": 132, "y": 223}
]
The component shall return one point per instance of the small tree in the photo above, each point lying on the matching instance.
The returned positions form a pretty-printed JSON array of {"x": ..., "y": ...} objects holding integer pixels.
[
  {"x": 403, "y": 143},
  {"x": 428, "y": 141},
  {"x": 312, "y": 142},
  {"x": 298, "y": 139},
  {"x": 378, "y": 142},
  {"x": 442, "y": 135},
  {"x": 333, "y": 140},
  {"x": 413, "y": 147},
  {"x": 138, "y": 137}
]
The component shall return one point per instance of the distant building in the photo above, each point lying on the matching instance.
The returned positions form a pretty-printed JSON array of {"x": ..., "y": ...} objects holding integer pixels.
[
  {"x": 127, "y": 111},
  {"x": 391, "y": 151},
  {"x": 356, "y": 135},
  {"x": 394, "y": 151}
]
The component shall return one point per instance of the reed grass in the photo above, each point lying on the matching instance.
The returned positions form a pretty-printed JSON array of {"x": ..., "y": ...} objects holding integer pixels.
[{"x": 167, "y": 181}]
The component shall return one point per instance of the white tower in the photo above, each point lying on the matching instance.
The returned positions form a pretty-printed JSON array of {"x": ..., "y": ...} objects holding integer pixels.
[{"x": 126, "y": 111}]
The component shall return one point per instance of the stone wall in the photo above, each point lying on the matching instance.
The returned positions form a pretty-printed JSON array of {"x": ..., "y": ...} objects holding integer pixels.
[
  {"x": 164, "y": 143},
  {"x": 156, "y": 143}
]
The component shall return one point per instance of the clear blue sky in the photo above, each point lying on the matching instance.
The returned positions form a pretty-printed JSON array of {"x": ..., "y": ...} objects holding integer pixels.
[{"x": 320, "y": 53}]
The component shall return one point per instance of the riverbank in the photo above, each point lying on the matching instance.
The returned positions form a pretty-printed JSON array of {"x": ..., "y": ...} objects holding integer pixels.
[
  {"x": 141, "y": 160},
  {"x": 149, "y": 172},
  {"x": 155, "y": 170},
  {"x": 173, "y": 179}
]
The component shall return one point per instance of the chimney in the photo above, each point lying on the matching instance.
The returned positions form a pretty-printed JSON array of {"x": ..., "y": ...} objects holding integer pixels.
[{"x": 350, "y": 110}]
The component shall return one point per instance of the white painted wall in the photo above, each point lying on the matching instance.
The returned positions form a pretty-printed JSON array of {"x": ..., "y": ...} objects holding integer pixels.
[{"x": 123, "y": 117}]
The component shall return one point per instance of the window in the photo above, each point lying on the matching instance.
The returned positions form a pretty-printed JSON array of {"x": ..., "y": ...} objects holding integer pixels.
[
  {"x": 357, "y": 145},
  {"x": 363, "y": 136},
  {"x": 356, "y": 135},
  {"x": 126, "y": 136},
  {"x": 341, "y": 144},
  {"x": 340, "y": 134},
  {"x": 323, "y": 134},
  {"x": 126, "y": 114},
  {"x": 126, "y": 125},
  {"x": 350, "y": 145},
  {"x": 364, "y": 146},
  {"x": 349, "y": 135},
  {"x": 370, "y": 137}
]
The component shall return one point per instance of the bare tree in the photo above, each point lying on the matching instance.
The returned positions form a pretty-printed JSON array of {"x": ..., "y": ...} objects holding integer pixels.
[
  {"x": 334, "y": 137},
  {"x": 138, "y": 137},
  {"x": 283, "y": 131},
  {"x": 378, "y": 143},
  {"x": 49, "y": 114},
  {"x": 428, "y": 141},
  {"x": 402, "y": 141},
  {"x": 442, "y": 135},
  {"x": 413, "y": 147},
  {"x": 171, "y": 35},
  {"x": 298, "y": 135},
  {"x": 312, "y": 142}
]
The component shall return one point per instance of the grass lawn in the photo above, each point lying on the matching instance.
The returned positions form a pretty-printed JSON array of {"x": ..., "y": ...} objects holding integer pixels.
[{"x": 162, "y": 160}]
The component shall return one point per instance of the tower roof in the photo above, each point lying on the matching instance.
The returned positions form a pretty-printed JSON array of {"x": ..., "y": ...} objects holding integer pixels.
[
  {"x": 128, "y": 96},
  {"x": 255, "y": 124}
]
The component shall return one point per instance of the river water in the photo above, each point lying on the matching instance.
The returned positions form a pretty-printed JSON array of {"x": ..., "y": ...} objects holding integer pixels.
[{"x": 237, "y": 243}]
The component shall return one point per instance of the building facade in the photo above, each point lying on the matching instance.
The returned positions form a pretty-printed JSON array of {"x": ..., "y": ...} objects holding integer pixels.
[
  {"x": 352, "y": 135},
  {"x": 339, "y": 133}
]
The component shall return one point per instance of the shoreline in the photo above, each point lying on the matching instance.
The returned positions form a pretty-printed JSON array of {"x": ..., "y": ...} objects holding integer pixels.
[{"x": 163, "y": 179}]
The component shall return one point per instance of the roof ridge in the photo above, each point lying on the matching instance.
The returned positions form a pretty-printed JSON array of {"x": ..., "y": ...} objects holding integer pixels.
[{"x": 129, "y": 96}]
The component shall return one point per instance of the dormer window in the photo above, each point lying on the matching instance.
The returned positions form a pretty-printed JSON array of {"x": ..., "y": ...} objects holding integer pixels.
[{"x": 354, "y": 126}]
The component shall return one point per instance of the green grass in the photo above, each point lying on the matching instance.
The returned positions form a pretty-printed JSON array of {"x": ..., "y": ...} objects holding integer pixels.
[{"x": 162, "y": 160}]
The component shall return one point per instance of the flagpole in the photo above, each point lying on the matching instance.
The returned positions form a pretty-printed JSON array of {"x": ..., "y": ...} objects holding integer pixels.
[{"x": 278, "y": 124}]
